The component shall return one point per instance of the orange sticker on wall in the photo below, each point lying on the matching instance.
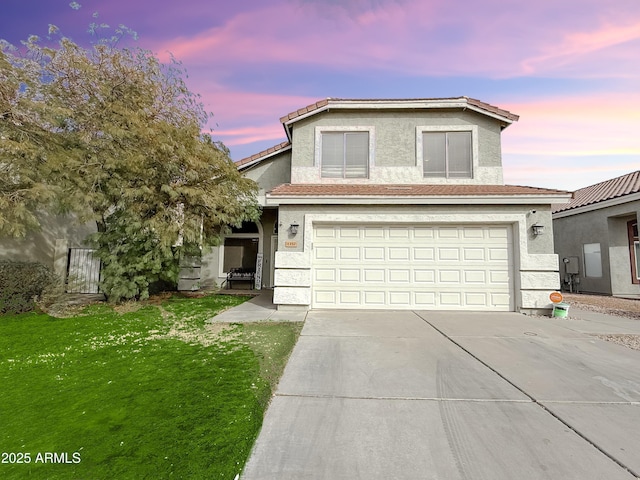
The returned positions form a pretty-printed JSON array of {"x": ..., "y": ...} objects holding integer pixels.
[{"x": 555, "y": 297}]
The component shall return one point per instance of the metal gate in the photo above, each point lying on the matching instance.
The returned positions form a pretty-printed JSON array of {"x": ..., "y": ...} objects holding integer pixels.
[{"x": 83, "y": 271}]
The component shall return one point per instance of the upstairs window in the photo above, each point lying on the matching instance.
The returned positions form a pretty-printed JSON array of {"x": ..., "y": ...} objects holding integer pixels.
[
  {"x": 344, "y": 154},
  {"x": 447, "y": 154}
]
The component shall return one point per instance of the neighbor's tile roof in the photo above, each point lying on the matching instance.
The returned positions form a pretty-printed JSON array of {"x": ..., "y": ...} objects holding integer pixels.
[
  {"x": 265, "y": 153},
  {"x": 609, "y": 189},
  {"x": 327, "y": 101},
  {"x": 346, "y": 190}
]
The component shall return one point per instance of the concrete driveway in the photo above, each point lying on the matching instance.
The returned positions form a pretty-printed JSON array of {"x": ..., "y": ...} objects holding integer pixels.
[{"x": 443, "y": 395}]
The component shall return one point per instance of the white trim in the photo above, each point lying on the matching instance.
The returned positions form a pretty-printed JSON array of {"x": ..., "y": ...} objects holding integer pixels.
[
  {"x": 612, "y": 202},
  {"x": 475, "y": 156},
  {"x": 414, "y": 199},
  {"x": 272, "y": 259}
]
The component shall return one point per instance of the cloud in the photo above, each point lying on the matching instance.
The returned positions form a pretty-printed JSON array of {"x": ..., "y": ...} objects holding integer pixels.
[
  {"x": 565, "y": 173},
  {"x": 422, "y": 38},
  {"x": 594, "y": 124},
  {"x": 577, "y": 45}
]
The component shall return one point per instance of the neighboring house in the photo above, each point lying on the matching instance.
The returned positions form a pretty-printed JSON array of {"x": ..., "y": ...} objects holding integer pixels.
[
  {"x": 394, "y": 204},
  {"x": 596, "y": 236}
]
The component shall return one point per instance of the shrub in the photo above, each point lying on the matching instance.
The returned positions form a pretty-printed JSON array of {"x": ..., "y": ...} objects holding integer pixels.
[{"x": 21, "y": 283}]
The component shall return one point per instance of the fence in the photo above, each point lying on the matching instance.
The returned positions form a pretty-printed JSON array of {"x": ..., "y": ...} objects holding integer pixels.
[{"x": 83, "y": 271}]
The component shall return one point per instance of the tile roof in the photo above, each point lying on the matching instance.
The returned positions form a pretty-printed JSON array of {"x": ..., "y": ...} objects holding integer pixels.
[
  {"x": 607, "y": 190},
  {"x": 371, "y": 103},
  {"x": 346, "y": 190},
  {"x": 265, "y": 153}
]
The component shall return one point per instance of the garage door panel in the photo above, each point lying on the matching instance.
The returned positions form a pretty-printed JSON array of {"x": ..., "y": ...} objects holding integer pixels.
[
  {"x": 498, "y": 277},
  {"x": 425, "y": 299},
  {"x": 423, "y": 232},
  {"x": 349, "y": 232},
  {"x": 374, "y": 276},
  {"x": 324, "y": 275},
  {"x": 449, "y": 254},
  {"x": 373, "y": 232},
  {"x": 375, "y": 298},
  {"x": 449, "y": 276},
  {"x": 499, "y": 254},
  {"x": 399, "y": 233},
  {"x": 373, "y": 253},
  {"x": 498, "y": 232},
  {"x": 423, "y": 266},
  {"x": 474, "y": 254},
  {"x": 349, "y": 253},
  {"x": 473, "y": 233},
  {"x": 451, "y": 299},
  {"x": 325, "y": 253},
  {"x": 350, "y": 297},
  {"x": 399, "y": 298},
  {"x": 325, "y": 297},
  {"x": 349, "y": 275},
  {"x": 475, "y": 299},
  {"x": 424, "y": 276},
  {"x": 399, "y": 276},
  {"x": 475, "y": 276},
  {"x": 399, "y": 253},
  {"x": 325, "y": 232},
  {"x": 424, "y": 253},
  {"x": 448, "y": 232}
]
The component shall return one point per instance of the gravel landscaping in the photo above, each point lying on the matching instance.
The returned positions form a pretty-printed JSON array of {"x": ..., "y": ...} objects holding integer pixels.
[{"x": 621, "y": 307}]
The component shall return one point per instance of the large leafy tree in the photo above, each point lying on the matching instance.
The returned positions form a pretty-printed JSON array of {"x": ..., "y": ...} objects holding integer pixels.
[{"x": 113, "y": 135}]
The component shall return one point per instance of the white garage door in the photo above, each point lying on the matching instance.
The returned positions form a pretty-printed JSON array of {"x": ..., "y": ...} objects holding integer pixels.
[{"x": 439, "y": 267}]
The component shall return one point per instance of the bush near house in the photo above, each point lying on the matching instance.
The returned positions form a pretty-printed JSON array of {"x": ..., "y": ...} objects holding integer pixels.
[
  {"x": 142, "y": 390},
  {"x": 21, "y": 283}
]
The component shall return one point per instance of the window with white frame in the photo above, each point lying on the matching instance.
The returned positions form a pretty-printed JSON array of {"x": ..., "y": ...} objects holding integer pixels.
[
  {"x": 592, "y": 260},
  {"x": 448, "y": 152},
  {"x": 345, "y": 155},
  {"x": 344, "y": 152}
]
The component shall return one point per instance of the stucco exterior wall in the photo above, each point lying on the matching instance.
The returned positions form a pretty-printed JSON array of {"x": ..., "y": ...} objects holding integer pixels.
[
  {"x": 535, "y": 265},
  {"x": 608, "y": 227},
  {"x": 270, "y": 173},
  {"x": 50, "y": 244},
  {"x": 395, "y": 145}
]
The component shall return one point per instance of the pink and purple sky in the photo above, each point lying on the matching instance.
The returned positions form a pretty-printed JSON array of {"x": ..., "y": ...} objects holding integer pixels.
[{"x": 569, "y": 68}]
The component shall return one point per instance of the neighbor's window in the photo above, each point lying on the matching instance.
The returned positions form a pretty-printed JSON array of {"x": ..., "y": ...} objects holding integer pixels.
[
  {"x": 345, "y": 155},
  {"x": 592, "y": 260},
  {"x": 634, "y": 250},
  {"x": 447, "y": 154}
]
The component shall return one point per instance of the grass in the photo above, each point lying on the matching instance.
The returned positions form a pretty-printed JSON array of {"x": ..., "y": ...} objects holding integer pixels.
[{"x": 155, "y": 392}]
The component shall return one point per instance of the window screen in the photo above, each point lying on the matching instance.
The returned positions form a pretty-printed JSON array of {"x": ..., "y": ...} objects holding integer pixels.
[
  {"x": 345, "y": 154},
  {"x": 447, "y": 154}
]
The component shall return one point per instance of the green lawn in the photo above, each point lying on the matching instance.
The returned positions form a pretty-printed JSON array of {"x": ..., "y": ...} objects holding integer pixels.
[{"x": 153, "y": 393}]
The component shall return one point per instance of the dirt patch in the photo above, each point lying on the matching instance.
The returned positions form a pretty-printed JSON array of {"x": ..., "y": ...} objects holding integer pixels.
[{"x": 208, "y": 335}]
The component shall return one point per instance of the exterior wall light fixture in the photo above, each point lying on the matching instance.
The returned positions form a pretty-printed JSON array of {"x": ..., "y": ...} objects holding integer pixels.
[
  {"x": 293, "y": 228},
  {"x": 537, "y": 229}
]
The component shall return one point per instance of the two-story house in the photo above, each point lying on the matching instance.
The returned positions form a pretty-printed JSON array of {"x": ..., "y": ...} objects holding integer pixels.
[{"x": 394, "y": 204}]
